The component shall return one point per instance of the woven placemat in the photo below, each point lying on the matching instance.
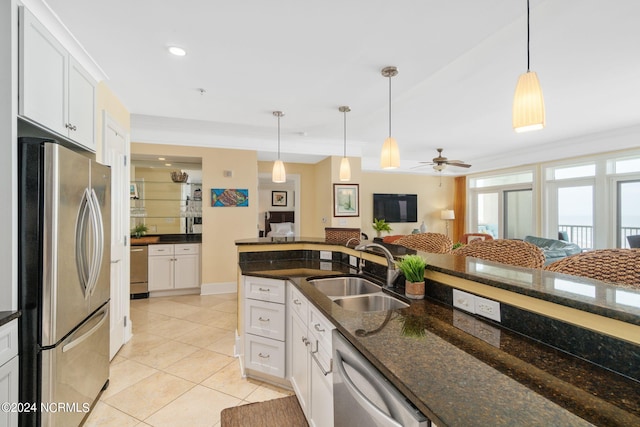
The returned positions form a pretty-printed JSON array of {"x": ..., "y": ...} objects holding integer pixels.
[{"x": 285, "y": 411}]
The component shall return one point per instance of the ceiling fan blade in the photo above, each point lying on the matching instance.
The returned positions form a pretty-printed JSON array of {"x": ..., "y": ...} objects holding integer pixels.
[{"x": 458, "y": 164}]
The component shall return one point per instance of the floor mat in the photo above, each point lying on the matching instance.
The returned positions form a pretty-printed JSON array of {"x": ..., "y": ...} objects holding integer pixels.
[{"x": 285, "y": 411}]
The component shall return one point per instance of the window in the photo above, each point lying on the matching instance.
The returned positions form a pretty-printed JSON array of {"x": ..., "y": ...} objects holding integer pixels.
[
  {"x": 575, "y": 214},
  {"x": 502, "y": 205}
]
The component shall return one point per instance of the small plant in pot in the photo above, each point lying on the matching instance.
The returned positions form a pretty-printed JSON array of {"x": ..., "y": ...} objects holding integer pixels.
[
  {"x": 412, "y": 267},
  {"x": 380, "y": 225},
  {"x": 139, "y": 231}
]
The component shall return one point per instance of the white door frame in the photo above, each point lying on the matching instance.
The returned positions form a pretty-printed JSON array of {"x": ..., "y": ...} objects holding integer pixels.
[{"x": 120, "y": 258}]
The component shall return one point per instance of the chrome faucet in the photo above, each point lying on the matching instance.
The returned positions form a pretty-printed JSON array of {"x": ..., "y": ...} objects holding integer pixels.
[
  {"x": 392, "y": 271},
  {"x": 350, "y": 239}
]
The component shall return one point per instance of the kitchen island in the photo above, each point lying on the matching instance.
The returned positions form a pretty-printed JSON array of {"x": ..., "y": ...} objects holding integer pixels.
[{"x": 461, "y": 369}]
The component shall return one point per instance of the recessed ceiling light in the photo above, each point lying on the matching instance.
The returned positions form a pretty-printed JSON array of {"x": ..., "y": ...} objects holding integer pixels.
[
  {"x": 177, "y": 51},
  {"x": 167, "y": 164},
  {"x": 161, "y": 158}
]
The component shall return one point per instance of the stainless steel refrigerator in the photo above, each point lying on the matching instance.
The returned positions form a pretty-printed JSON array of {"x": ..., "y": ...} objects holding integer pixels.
[{"x": 64, "y": 289}]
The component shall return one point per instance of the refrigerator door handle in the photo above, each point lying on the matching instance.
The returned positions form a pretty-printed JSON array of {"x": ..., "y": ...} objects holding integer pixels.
[
  {"x": 98, "y": 241},
  {"x": 77, "y": 341},
  {"x": 84, "y": 269}
]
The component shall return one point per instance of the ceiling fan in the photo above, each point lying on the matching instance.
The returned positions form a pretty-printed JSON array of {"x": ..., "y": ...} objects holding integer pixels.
[{"x": 440, "y": 163}]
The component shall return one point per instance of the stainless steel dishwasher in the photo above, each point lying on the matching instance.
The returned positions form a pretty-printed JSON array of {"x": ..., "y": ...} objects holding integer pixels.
[
  {"x": 362, "y": 396},
  {"x": 138, "y": 278}
]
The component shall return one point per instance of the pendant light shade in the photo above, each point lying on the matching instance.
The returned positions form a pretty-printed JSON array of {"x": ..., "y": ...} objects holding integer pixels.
[
  {"x": 528, "y": 103},
  {"x": 278, "y": 174},
  {"x": 345, "y": 167},
  {"x": 390, "y": 155}
]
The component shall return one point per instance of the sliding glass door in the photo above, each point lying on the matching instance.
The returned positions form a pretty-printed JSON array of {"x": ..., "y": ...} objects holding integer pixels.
[{"x": 628, "y": 221}]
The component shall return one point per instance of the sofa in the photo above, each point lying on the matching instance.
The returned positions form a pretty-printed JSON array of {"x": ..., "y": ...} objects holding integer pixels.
[{"x": 554, "y": 250}]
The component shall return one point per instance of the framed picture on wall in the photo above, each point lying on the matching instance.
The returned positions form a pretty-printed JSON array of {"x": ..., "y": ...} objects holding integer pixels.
[
  {"x": 346, "y": 200},
  {"x": 278, "y": 198}
]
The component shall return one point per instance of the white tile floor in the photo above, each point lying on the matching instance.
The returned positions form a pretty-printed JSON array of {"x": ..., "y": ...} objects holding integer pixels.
[{"x": 178, "y": 369}]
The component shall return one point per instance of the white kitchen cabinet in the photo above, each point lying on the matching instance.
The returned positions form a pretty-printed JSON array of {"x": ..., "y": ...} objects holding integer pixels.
[
  {"x": 9, "y": 370},
  {"x": 55, "y": 91},
  {"x": 299, "y": 365},
  {"x": 174, "y": 266},
  {"x": 264, "y": 327},
  {"x": 310, "y": 348}
]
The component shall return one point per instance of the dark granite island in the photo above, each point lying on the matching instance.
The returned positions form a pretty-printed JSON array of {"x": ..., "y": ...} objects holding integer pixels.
[{"x": 566, "y": 352}]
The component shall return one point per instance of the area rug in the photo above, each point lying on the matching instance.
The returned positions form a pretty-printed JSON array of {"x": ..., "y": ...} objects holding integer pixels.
[{"x": 285, "y": 411}]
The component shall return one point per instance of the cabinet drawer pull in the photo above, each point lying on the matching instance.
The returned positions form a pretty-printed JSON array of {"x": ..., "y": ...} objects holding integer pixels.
[
  {"x": 264, "y": 290},
  {"x": 305, "y": 341},
  {"x": 263, "y": 320},
  {"x": 297, "y": 302},
  {"x": 318, "y": 328},
  {"x": 263, "y": 355}
]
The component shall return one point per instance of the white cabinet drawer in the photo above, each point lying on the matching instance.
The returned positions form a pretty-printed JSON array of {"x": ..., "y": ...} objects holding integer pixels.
[
  {"x": 298, "y": 304},
  {"x": 264, "y": 355},
  {"x": 186, "y": 249},
  {"x": 263, "y": 289},
  {"x": 320, "y": 328},
  {"x": 8, "y": 341},
  {"x": 155, "y": 250},
  {"x": 265, "y": 319}
]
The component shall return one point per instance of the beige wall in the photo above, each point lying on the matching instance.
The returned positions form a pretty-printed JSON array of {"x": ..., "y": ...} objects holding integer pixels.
[
  {"x": 432, "y": 198},
  {"x": 221, "y": 226}
]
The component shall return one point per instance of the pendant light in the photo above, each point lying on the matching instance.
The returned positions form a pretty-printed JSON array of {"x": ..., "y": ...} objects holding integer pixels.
[
  {"x": 528, "y": 103},
  {"x": 345, "y": 167},
  {"x": 390, "y": 156},
  {"x": 278, "y": 175}
]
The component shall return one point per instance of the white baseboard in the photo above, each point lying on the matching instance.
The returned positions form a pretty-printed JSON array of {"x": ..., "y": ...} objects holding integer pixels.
[{"x": 218, "y": 288}]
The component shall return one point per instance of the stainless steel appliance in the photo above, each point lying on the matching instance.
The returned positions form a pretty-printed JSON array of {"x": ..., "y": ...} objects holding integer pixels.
[
  {"x": 362, "y": 396},
  {"x": 64, "y": 275},
  {"x": 138, "y": 279}
]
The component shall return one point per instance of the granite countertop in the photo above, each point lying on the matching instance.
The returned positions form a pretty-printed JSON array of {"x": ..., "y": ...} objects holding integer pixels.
[
  {"x": 459, "y": 379},
  {"x": 8, "y": 316},
  {"x": 584, "y": 294},
  {"x": 163, "y": 239}
]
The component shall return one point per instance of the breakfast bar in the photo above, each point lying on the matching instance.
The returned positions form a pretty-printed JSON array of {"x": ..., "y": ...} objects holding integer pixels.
[{"x": 544, "y": 363}]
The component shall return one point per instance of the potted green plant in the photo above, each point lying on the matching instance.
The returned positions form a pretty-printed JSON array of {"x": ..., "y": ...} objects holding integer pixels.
[
  {"x": 139, "y": 231},
  {"x": 380, "y": 225},
  {"x": 412, "y": 267}
]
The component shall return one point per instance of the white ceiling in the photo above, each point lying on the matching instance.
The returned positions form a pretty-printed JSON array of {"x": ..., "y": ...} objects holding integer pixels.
[{"x": 458, "y": 65}]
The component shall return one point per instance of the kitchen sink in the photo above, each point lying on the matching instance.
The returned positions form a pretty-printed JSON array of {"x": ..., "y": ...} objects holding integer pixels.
[
  {"x": 377, "y": 302},
  {"x": 345, "y": 286}
]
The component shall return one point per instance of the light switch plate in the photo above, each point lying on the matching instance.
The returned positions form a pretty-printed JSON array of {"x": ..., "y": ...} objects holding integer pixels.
[
  {"x": 325, "y": 255},
  {"x": 464, "y": 301}
]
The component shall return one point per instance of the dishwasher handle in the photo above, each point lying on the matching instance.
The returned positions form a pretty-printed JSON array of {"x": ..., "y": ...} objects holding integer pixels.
[{"x": 371, "y": 408}]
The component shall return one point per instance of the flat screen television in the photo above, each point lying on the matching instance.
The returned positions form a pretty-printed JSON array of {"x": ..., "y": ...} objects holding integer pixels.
[{"x": 395, "y": 207}]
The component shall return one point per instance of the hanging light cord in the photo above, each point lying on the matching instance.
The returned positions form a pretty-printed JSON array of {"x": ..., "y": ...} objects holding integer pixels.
[
  {"x": 345, "y": 133},
  {"x": 528, "y": 36},
  {"x": 390, "y": 105},
  {"x": 278, "y": 137}
]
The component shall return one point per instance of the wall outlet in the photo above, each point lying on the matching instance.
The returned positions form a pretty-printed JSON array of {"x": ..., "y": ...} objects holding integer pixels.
[
  {"x": 325, "y": 255},
  {"x": 464, "y": 301},
  {"x": 487, "y": 308}
]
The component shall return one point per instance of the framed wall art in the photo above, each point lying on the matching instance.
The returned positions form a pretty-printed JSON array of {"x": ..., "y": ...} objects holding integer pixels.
[
  {"x": 346, "y": 200},
  {"x": 278, "y": 198},
  {"x": 225, "y": 197}
]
